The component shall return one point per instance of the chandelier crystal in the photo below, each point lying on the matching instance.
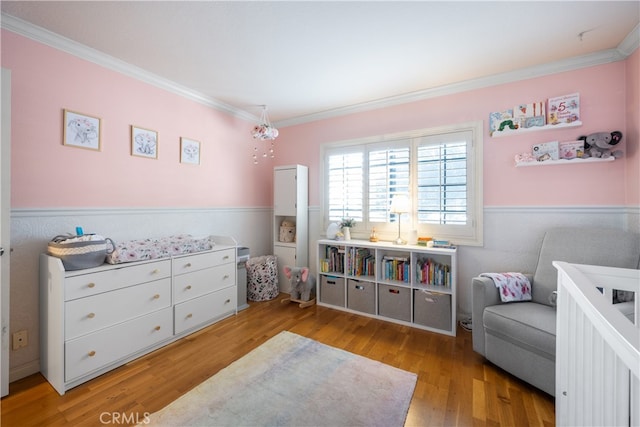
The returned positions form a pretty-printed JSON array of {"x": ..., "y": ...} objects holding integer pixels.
[{"x": 264, "y": 131}]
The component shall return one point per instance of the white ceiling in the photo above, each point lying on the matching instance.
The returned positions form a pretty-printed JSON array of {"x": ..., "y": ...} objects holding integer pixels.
[{"x": 306, "y": 59}]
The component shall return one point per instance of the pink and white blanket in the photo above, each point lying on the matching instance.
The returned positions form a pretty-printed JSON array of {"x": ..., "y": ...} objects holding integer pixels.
[
  {"x": 513, "y": 286},
  {"x": 163, "y": 247}
]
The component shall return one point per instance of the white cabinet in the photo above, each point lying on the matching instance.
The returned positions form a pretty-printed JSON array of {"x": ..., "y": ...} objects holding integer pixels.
[
  {"x": 407, "y": 284},
  {"x": 97, "y": 319},
  {"x": 290, "y": 203}
]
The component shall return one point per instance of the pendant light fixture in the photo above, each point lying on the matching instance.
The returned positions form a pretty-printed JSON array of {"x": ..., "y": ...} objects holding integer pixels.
[{"x": 265, "y": 132}]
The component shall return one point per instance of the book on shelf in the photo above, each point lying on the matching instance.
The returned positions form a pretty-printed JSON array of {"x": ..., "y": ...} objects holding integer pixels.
[
  {"x": 530, "y": 115},
  {"x": 334, "y": 260},
  {"x": 546, "y": 151},
  {"x": 563, "y": 109},
  {"x": 501, "y": 120},
  {"x": 432, "y": 273},
  {"x": 571, "y": 150},
  {"x": 360, "y": 262},
  {"x": 396, "y": 268}
]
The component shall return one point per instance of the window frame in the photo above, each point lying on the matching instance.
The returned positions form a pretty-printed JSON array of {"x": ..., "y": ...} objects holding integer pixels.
[{"x": 470, "y": 234}]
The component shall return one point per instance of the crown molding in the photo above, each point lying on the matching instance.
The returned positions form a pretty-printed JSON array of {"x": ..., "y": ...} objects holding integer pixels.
[
  {"x": 630, "y": 43},
  {"x": 26, "y": 29},
  {"x": 570, "y": 64},
  {"x": 49, "y": 38}
]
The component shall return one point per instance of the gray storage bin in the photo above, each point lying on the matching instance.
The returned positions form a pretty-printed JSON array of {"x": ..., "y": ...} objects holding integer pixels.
[
  {"x": 361, "y": 296},
  {"x": 432, "y": 309},
  {"x": 332, "y": 290},
  {"x": 394, "y": 302}
]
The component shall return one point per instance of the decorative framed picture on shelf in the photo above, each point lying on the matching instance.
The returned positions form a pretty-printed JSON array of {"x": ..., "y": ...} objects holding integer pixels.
[
  {"x": 189, "y": 151},
  {"x": 144, "y": 142},
  {"x": 81, "y": 130}
]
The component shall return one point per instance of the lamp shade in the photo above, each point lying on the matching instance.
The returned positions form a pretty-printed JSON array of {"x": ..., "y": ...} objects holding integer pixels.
[{"x": 400, "y": 203}]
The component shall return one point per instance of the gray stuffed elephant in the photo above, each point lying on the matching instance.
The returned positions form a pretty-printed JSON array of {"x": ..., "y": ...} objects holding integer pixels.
[{"x": 302, "y": 283}]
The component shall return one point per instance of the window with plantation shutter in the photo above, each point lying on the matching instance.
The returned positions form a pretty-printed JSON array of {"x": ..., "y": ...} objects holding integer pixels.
[
  {"x": 440, "y": 170},
  {"x": 388, "y": 175},
  {"x": 345, "y": 176},
  {"x": 442, "y": 179}
]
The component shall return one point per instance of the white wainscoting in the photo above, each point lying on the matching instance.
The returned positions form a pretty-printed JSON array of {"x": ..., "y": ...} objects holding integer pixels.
[
  {"x": 31, "y": 229},
  {"x": 512, "y": 236}
]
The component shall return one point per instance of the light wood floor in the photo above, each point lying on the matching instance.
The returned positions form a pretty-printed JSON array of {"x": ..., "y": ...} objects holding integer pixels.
[{"x": 456, "y": 387}]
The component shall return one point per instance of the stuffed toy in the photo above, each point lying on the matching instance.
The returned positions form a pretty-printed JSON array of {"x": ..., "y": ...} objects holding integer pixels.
[
  {"x": 302, "y": 283},
  {"x": 599, "y": 144}
]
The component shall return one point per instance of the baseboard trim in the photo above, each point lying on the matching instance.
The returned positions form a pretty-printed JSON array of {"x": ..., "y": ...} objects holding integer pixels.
[{"x": 18, "y": 372}]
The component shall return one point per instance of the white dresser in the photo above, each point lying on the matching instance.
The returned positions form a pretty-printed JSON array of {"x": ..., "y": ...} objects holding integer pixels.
[{"x": 97, "y": 319}]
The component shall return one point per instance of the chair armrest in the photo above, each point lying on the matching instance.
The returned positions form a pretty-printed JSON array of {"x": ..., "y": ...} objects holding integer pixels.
[{"x": 484, "y": 293}]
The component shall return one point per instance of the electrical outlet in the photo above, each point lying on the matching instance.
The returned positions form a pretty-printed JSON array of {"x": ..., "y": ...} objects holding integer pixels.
[{"x": 20, "y": 339}]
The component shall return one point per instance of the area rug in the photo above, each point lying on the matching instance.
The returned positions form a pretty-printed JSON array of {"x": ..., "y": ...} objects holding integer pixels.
[{"x": 291, "y": 380}]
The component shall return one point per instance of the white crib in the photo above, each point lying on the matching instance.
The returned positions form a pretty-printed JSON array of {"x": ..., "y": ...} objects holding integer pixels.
[{"x": 597, "y": 348}]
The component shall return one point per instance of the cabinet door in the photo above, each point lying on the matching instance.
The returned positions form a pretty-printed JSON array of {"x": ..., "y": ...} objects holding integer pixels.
[
  {"x": 284, "y": 192},
  {"x": 286, "y": 256}
]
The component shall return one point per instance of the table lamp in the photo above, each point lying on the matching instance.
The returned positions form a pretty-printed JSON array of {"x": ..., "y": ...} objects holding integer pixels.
[{"x": 400, "y": 205}]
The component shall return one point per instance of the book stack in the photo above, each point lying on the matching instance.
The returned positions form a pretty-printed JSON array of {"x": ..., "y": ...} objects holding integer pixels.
[
  {"x": 396, "y": 268},
  {"x": 444, "y": 244},
  {"x": 333, "y": 261},
  {"x": 360, "y": 262},
  {"x": 433, "y": 273}
]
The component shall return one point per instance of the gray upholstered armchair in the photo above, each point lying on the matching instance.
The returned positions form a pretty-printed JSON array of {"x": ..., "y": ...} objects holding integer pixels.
[{"x": 520, "y": 337}]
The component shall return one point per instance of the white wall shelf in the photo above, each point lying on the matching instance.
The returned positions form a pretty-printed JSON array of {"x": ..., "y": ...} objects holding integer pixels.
[
  {"x": 512, "y": 132},
  {"x": 576, "y": 161}
]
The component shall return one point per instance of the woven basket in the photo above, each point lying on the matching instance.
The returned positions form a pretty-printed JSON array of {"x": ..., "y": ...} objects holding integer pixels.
[{"x": 79, "y": 255}]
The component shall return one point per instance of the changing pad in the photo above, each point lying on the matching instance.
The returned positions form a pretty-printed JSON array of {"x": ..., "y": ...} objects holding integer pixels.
[{"x": 163, "y": 247}]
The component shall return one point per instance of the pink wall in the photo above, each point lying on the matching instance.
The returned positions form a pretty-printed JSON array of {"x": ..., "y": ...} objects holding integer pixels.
[
  {"x": 633, "y": 129},
  {"x": 602, "y": 95},
  {"x": 47, "y": 174}
]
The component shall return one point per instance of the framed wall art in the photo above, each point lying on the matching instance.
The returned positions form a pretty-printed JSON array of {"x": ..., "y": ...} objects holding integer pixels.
[
  {"x": 81, "y": 130},
  {"x": 189, "y": 151},
  {"x": 144, "y": 142}
]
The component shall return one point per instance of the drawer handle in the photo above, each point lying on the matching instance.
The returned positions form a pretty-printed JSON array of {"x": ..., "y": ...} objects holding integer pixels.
[
  {"x": 91, "y": 285},
  {"x": 91, "y": 315},
  {"x": 227, "y": 301},
  {"x": 226, "y": 276},
  {"x": 156, "y": 296},
  {"x": 189, "y": 316},
  {"x": 155, "y": 271},
  {"x": 157, "y": 328},
  {"x": 394, "y": 291},
  {"x": 188, "y": 287},
  {"x": 187, "y": 265},
  {"x": 359, "y": 287},
  {"x": 225, "y": 257},
  {"x": 92, "y": 353}
]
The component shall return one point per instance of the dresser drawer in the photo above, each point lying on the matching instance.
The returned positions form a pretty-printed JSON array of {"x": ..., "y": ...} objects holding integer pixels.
[
  {"x": 194, "y": 312},
  {"x": 91, "y": 352},
  {"x": 192, "y": 285},
  {"x": 86, "y": 315},
  {"x": 119, "y": 277},
  {"x": 191, "y": 263}
]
